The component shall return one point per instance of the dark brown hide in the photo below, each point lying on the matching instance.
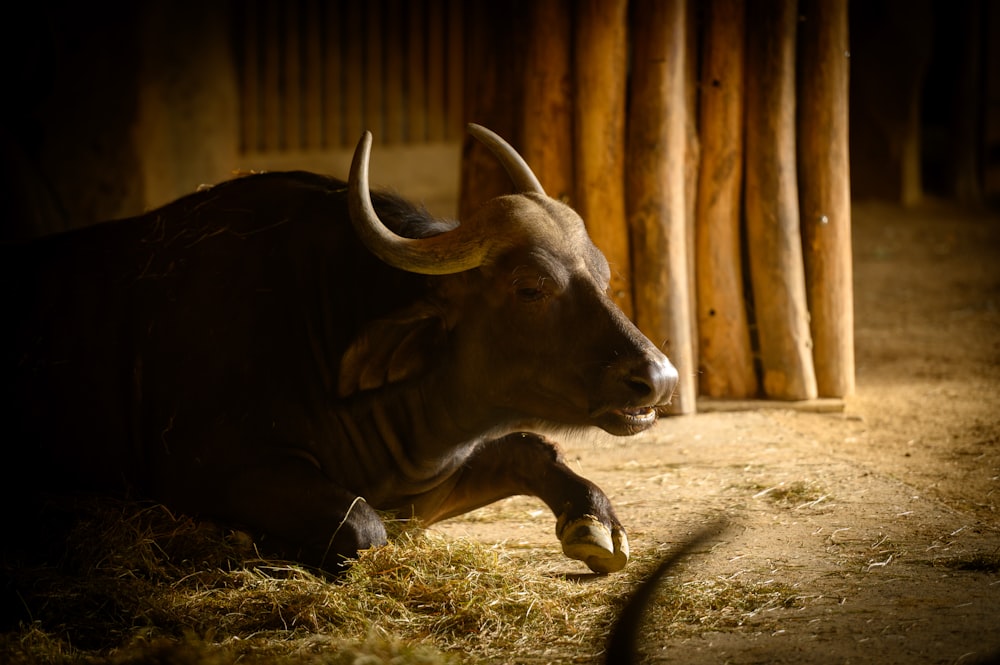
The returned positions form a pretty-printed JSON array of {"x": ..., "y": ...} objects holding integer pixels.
[{"x": 241, "y": 354}]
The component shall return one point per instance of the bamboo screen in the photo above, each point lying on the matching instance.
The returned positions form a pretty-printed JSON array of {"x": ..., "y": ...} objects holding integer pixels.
[{"x": 314, "y": 74}]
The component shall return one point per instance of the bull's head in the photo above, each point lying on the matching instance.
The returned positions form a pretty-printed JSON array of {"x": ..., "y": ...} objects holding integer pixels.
[{"x": 526, "y": 307}]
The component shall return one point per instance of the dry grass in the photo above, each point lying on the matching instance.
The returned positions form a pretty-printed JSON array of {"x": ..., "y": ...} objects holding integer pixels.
[
  {"x": 797, "y": 495},
  {"x": 138, "y": 584}
]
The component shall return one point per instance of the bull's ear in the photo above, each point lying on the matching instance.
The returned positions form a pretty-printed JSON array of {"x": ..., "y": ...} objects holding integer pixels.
[{"x": 392, "y": 349}]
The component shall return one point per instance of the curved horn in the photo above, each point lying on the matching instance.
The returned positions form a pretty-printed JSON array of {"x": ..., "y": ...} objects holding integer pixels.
[
  {"x": 518, "y": 169},
  {"x": 444, "y": 254}
]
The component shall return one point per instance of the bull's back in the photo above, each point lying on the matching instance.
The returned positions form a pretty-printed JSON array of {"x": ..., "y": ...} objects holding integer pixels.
[
  {"x": 64, "y": 399},
  {"x": 133, "y": 334}
]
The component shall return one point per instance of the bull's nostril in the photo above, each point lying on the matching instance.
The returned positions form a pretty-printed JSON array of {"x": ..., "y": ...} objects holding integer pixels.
[
  {"x": 652, "y": 382},
  {"x": 640, "y": 387}
]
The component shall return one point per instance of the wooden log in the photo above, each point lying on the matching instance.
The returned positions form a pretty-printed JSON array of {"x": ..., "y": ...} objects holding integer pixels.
[
  {"x": 657, "y": 143},
  {"x": 250, "y": 103},
  {"x": 824, "y": 186},
  {"x": 436, "y": 53},
  {"x": 692, "y": 161},
  {"x": 270, "y": 73},
  {"x": 772, "y": 206},
  {"x": 547, "y": 113},
  {"x": 725, "y": 361},
  {"x": 490, "y": 99},
  {"x": 333, "y": 77},
  {"x": 395, "y": 67},
  {"x": 291, "y": 90},
  {"x": 600, "y": 66},
  {"x": 416, "y": 60},
  {"x": 312, "y": 77},
  {"x": 373, "y": 109},
  {"x": 353, "y": 97},
  {"x": 455, "y": 128}
]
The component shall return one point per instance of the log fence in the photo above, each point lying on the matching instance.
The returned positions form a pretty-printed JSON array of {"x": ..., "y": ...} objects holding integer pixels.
[
  {"x": 704, "y": 143},
  {"x": 709, "y": 160}
]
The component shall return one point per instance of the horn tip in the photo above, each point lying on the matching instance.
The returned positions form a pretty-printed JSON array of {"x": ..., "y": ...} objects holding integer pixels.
[{"x": 476, "y": 129}]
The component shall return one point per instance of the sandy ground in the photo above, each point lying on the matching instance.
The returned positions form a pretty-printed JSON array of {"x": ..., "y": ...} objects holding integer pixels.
[{"x": 882, "y": 519}]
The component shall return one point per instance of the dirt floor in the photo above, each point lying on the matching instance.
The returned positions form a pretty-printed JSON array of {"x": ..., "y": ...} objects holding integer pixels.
[{"x": 877, "y": 526}]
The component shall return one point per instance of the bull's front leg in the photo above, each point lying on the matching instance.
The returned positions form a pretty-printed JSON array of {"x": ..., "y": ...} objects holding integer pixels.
[
  {"x": 528, "y": 464},
  {"x": 299, "y": 513}
]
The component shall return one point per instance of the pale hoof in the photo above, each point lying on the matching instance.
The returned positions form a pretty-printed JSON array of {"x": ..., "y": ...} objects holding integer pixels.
[{"x": 587, "y": 540}]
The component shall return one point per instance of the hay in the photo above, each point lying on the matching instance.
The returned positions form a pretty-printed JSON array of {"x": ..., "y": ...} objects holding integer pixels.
[{"x": 137, "y": 584}]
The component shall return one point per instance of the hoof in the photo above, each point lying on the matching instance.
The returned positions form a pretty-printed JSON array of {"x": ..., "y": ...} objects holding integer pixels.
[{"x": 587, "y": 540}]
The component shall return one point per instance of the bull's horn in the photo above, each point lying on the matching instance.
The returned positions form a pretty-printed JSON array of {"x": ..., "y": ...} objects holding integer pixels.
[
  {"x": 518, "y": 169},
  {"x": 444, "y": 254}
]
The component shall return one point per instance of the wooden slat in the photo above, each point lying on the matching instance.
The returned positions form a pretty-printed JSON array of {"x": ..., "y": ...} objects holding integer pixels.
[
  {"x": 772, "y": 205},
  {"x": 658, "y": 136},
  {"x": 692, "y": 160},
  {"x": 547, "y": 112},
  {"x": 725, "y": 358},
  {"x": 488, "y": 86},
  {"x": 600, "y": 75},
  {"x": 353, "y": 90},
  {"x": 270, "y": 106},
  {"x": 250, "y": 94},
  {"x": 373, "y": 84},
  {"x": 312, "y": 76},
  {"x": 417, "y": 65},
  {"x": 435, "y": 73},
  {"x": 455, "y": 122},
  {"x": 333, "y": 78},
  {"x": 395, "y": 100},
  {"x": 291, "y": 106},
  {"x": 825, "y": 192}
]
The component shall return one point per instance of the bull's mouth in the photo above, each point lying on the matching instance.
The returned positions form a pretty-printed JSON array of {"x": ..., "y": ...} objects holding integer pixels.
[{"x": 628, "y": 420}]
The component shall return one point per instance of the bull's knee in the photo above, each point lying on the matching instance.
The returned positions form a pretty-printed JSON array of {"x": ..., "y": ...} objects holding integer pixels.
[{"x": 359, "y": 530}]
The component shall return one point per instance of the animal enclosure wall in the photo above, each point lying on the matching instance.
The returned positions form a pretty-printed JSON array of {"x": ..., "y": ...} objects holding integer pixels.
[
  {"x": 314, "y": 74},
  {"x": 633, "y": 112},
  {"x": 723, "y": 206}
]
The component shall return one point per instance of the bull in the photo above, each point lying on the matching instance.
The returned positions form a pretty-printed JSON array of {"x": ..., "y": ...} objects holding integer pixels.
[{"x": 294, "y": 354}]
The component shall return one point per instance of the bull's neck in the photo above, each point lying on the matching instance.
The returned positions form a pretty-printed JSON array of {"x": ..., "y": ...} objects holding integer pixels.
[
  {"x": 416, "y": 432},
  {"x": 440, "y": 417}
]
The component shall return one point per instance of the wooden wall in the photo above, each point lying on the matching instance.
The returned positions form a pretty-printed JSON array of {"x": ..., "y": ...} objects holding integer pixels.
[
  {"x": 722, "y": 206},
  {"x": 314, "y": 74},
  {"x": 705, "y": 144}
]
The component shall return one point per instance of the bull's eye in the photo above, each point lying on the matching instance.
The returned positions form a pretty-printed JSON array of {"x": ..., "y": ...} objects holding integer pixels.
[{"x": 530, "y": 293}]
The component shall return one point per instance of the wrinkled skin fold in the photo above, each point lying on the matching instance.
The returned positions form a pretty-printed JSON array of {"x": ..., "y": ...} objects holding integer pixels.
[{"x": 291, "y": 354}]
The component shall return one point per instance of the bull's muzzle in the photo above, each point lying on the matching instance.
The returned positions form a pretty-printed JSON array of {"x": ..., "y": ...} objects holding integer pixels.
[{"x": 651, "y": 381}]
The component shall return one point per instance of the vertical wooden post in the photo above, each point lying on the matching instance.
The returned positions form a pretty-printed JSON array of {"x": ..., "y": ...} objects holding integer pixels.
[
  {"x": 333, "y": 81},
  {"x": 250, "y": 103},
  {"x": 725, "y": 358},
  {"x": 657, "y": 143},
  {"x": 772, "y": 206},
  {"x": 312, "y": 75},
  {"x": 437, "y": 51},
  {"x": 371, "y": 87},
  {"x": 547, "y": 113},
  {"x": 824, "y": 185},
  {"x": 395, "y": 67},
  {"x": 416, "y": 74},
  {"x": 291, "y": 97},
  {"x": 354, "y": 120},
  {"x": 490, "y": 99},
  {"x": 455, "y": 128},
  {"x": 600, "y": 76},
  {"x": 692, "y": 163},
  {"x": 270, "y": 73}
]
